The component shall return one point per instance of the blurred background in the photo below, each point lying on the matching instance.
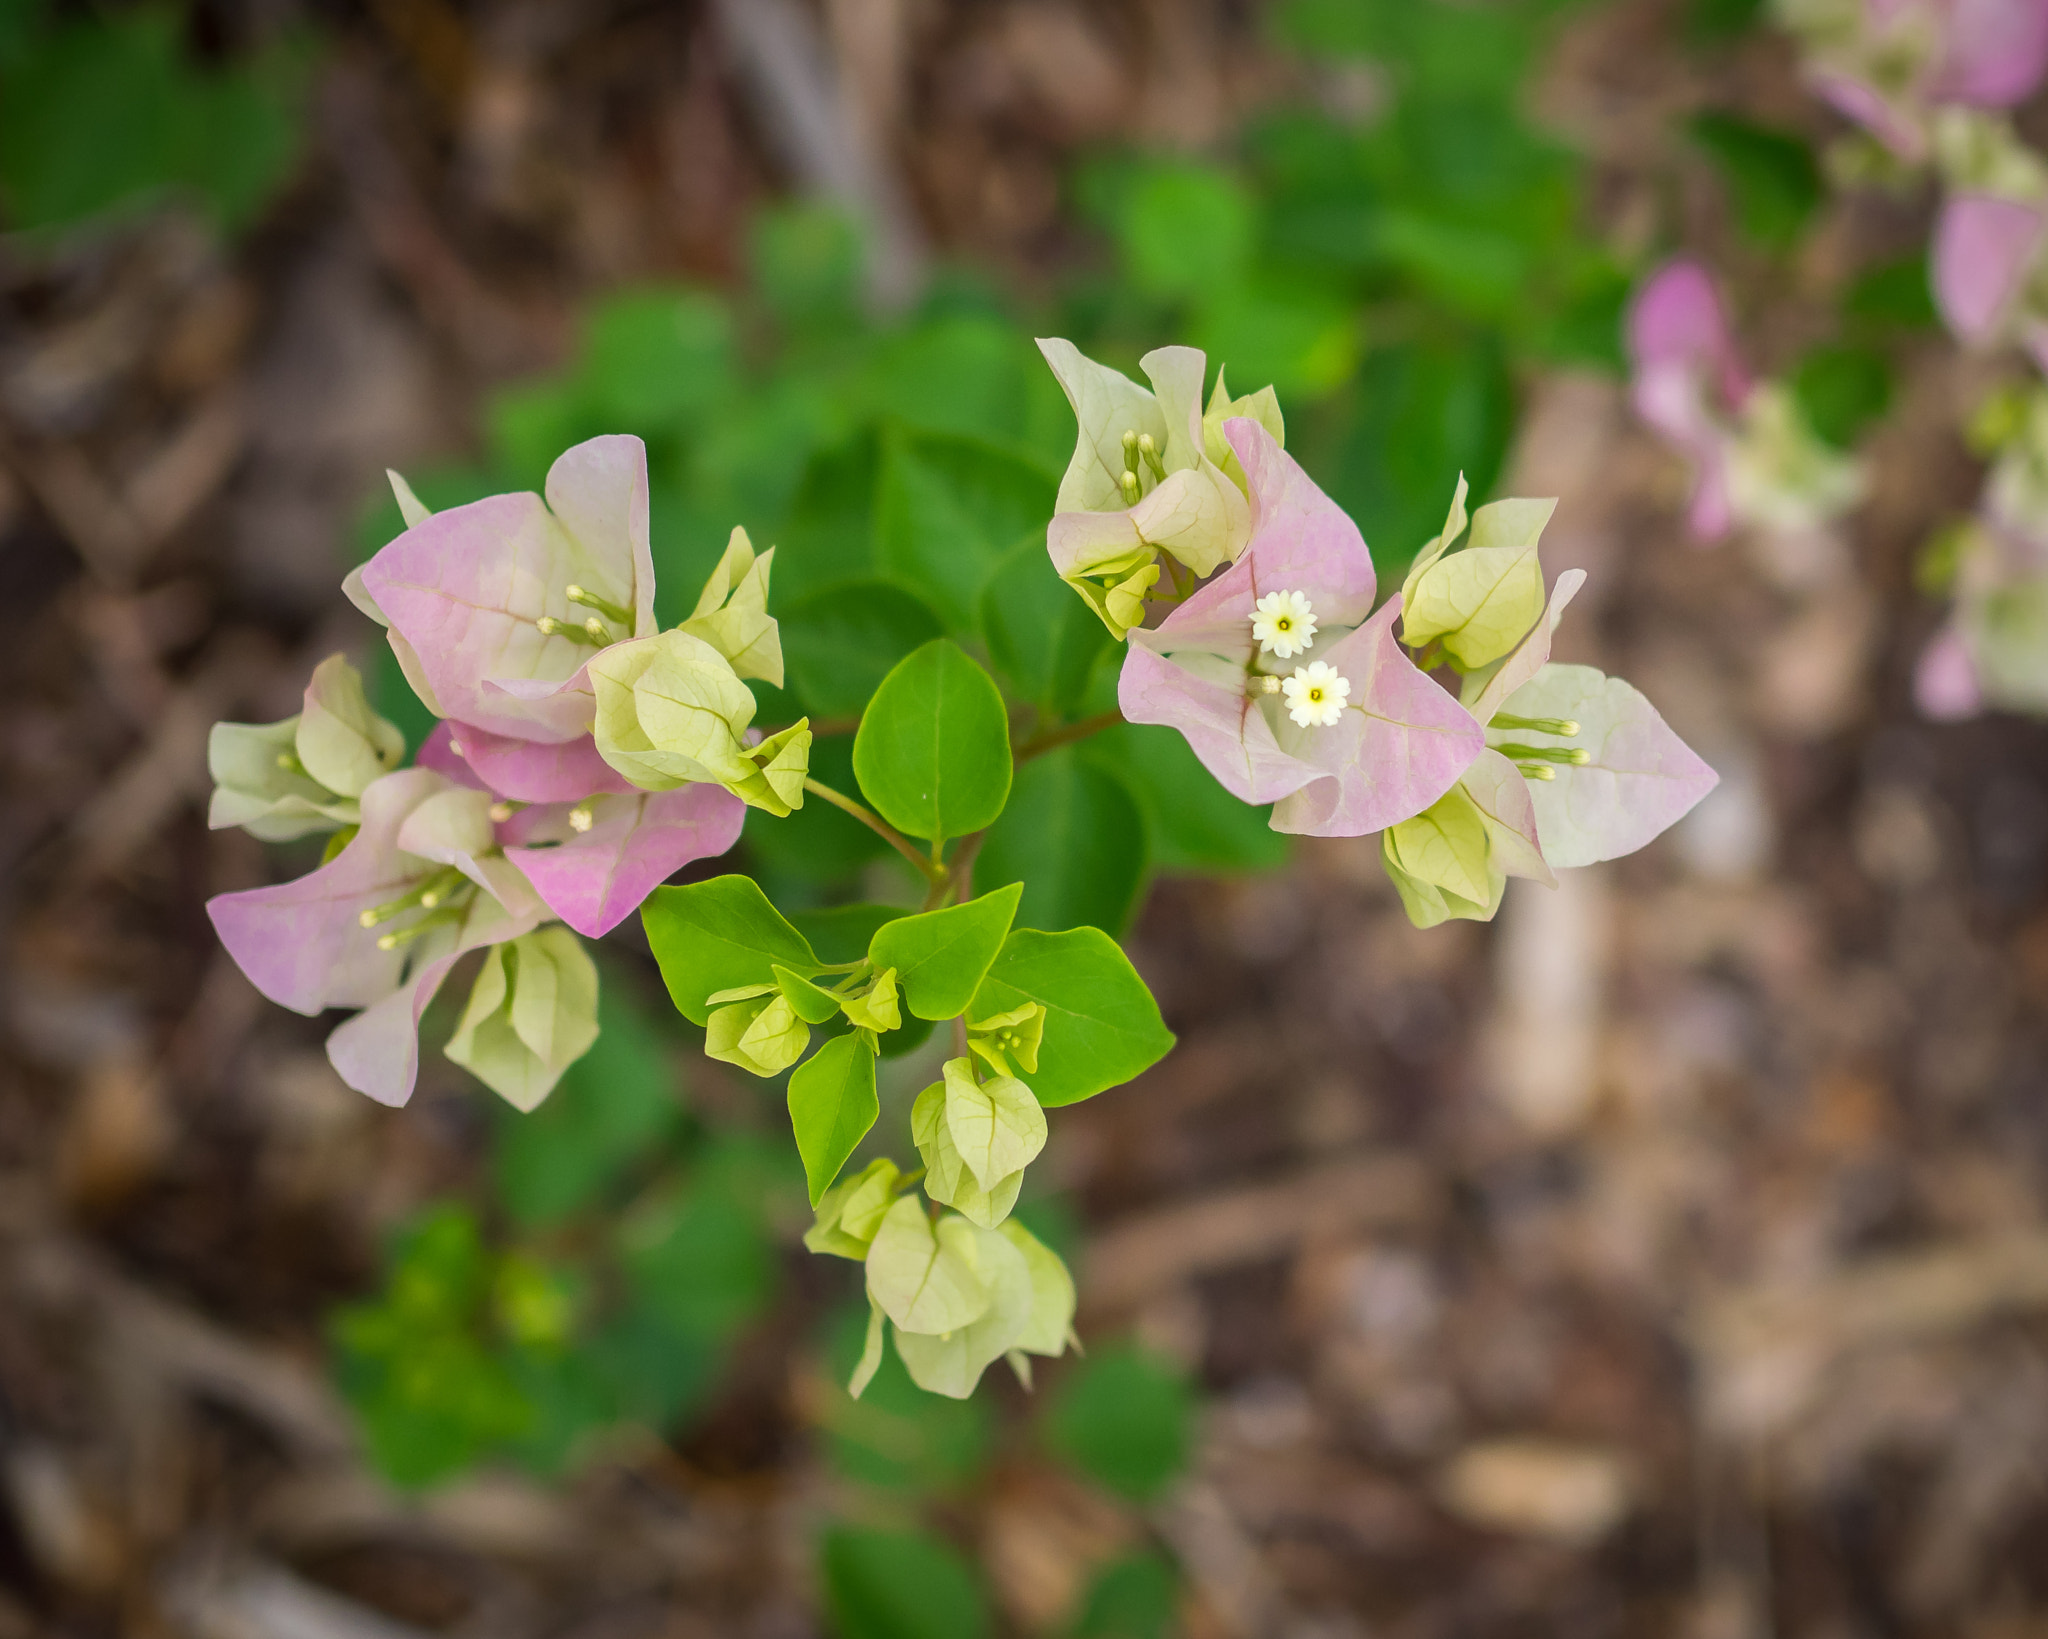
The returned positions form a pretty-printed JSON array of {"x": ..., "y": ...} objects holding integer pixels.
[{"x": 1664, "y": 1259}]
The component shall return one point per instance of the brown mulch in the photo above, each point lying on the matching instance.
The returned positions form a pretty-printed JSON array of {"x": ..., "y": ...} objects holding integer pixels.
[{"x": 1669, "y": 1258}]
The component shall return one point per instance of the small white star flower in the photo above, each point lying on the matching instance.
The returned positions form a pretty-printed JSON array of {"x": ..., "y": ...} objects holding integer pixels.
[
  {"x": 1315, "y": 695},
  {"x": 1284, "y": 623}
]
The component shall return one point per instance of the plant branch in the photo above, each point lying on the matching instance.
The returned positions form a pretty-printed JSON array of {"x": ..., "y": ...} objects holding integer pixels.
[
  {"x": 881, "y": 827},
  {"x": 1052, "y": 739}
]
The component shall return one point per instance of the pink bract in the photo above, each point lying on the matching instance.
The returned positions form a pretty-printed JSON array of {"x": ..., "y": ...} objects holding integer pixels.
[
  {"x": 1982, "y": 248},
  {"x": 593, "y": 880},
  {"x": 464, "y": 589}
]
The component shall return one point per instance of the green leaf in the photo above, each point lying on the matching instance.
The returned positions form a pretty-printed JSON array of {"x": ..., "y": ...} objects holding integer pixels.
[
  {"x": 1772, "y": 176},
  {"x": 613, "y": 1106},
  {"x": 1124, "y": 1417},
  {"x": 806, "y": 262},
  {"x": 947, "y": 509},
  {"x": 1102, "y": 1026},
  {"x": 1192, "y": 825},
  {"x": 832, "y": 1105},
  {"x": 1131, "y": 1597},
  {"x": 1183, "y": 228},
  {"x": 656, "y": 356},
  {"x": 1712, "y": 22},
  {"x": 923, "y": 1274},
  {"x": 1893, "y": 296},
  {"x": 899, "y": 1585},
  {"x": 702, "y": 1260},
  {"x": 814, "y": 1004},
  {"x": 718, "y": 935},
  {"x": 1074, "y": 836},
  {"x": 933, "y": 751},
  {"x": 1842, "y": 390},
  {"x": 1040, "y": 636},
  {"x": 842, "y": 641},
  {"x": 843, "y": 933},
  {"x": 940, "y": 957},
  {"x": 897, "y": 1437}
]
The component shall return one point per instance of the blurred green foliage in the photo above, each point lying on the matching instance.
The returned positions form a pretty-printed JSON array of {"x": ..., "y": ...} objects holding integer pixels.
[
  {"x": 1125, "y": 1418},
  {"x": 633, "y": 1249},
  {"x": 1773, "y": 180},
  {"x": 105, "y": 115}
]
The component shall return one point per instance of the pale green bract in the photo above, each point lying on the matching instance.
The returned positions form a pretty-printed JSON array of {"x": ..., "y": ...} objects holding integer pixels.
[
  {"x": 1480, "y": 601},
  {"x": 289, "y": 779},
  {"x": 948, "y": 1179},
  {"x": 951, "y": 1362},
  {"x": 671, "y": 711},
  {"x": 531, "y": 1014},
  {"x": 761, "y": 1035},
  {"x": 1444, "y": 848},
  {"x": 732, "y": 613},
  {"x": 924, "y": 1274},
  {"x": 996, "y": 1125},
  {"x": 851, "y": 1211}
]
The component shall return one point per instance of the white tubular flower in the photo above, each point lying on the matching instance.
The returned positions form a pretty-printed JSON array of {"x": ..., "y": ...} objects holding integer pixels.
[
  {"x": 1284, "y": 623},
  {"x": 1315, "y": 695}
]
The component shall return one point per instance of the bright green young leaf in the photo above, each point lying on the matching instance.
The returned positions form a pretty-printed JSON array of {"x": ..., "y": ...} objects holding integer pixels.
[
  {"x": 813, "y": 1003},
  {"x": 948, "y": 1178},
  {"x": 878, "y": 1008},
  {"x": 899, "y": 1585},
  {"x": 997, "y": 1127},
  {"x": 923, "y": 1275},
  {"x": 946, "y": 510},
  {"x": 1102, "y": 1026},
  {"x": 952, "y": 1363},
  {"x": 1074, "y": 836},
  {"x": 832, "y": 1105},
  {"x": 933, "y": 751},
  {"x": 841, "y": 642},
  {"x": 1124, "y": 1417},
  {"x": 1043, "y": 639},
  {"x": 940, "y": 957},
  {"x": 712, "y": 936},
  {"x": 1052, "y": 1293},
  {"x": 842, "y": 933}
]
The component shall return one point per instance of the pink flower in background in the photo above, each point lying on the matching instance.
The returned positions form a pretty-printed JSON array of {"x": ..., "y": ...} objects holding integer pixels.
[
  {"x": 1689, "y": 383},
  {"x": 1397, "y": 743},
  {"x": 1892, "y": 63},
  {"x": 1946, "y": 686},
  {"x": 1984, "y": 248}
]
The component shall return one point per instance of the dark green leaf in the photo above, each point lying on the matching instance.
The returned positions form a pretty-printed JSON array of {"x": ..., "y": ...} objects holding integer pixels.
[
  {"x": 839, "y": 643},
  {"x": 1075, "y": 838},
  {"x": 718, "y": 935},
  {"x": 1713, "y": 21},
  {"x": 1193, "y": 825},
  {"x": 1893, "y": 296},
  {"x": 941, "y": 957},
  {"x": 946, "y": 511},
  {"x": 1842, "y": 390},
  {"x": 899, "y": 1585},
  {"x": 828, "y": 536},
  {"x": 843, "y": 933},
  {"x": 933, "y": 751},
  {"x": 1124, "y": 1417},
  {"x": 1771, "y": 175},
  {"x": 1102, "y": 1026},
  {"x": 1041, "y": 636},
  {"x": 1131, "y": 1597},
  {"x": 612, "y": 1107},
  {"x": 832, "y": 1105}
]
